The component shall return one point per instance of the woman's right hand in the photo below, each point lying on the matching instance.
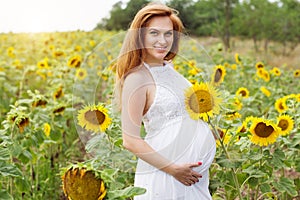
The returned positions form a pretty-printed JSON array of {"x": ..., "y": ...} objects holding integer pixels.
[{"x": 184, "y": 173}]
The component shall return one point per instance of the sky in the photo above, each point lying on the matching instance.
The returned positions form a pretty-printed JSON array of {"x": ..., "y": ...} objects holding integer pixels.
[{"x": 52, "y": 15}]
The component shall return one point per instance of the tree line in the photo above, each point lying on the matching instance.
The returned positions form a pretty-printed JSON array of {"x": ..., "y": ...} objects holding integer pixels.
[{"x": 259, "y": 20}]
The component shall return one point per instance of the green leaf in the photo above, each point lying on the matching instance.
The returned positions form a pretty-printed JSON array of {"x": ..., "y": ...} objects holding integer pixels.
[
  {"x": 7, "y": 169},
  {"x": 108, "y": 174},
  {"x": 22, "y": 184},
  {"x": 4, "y": 154},
  {"x": 286, "y": 185},
  {"x": 4, "y": 195},
  {"x": 125, "y": 193},
  {"x": 265, "y": 187}
]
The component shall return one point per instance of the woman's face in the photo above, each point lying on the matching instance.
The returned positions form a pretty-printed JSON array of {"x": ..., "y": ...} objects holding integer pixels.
[{"x": 158, "y": 39}]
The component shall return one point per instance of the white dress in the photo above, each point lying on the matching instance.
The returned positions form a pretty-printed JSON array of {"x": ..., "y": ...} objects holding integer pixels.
[{"x": 180, "y": 139}]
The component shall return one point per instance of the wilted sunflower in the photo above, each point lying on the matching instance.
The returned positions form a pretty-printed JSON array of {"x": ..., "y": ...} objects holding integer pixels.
[
  {"x": 264, "y": 132},
  {"x": 237, "y": 59},
  {"x": 81, "y": 73},
  {"x": 202, "y": 101},
  {"x": 285, "y": 123},
  {"x": 297, "y": 73},
  {"x": 242, "y": 92},
  {"x": 218, "y": 75},
  {"x": 82, "y": 184},
  {"x": 259, "y": 65},
  {"x": 94, "y": 118},
  {"x": 75, "y": 61},
  {"x": 280, "y": 105},
  {"x": 265, "y": 91}
]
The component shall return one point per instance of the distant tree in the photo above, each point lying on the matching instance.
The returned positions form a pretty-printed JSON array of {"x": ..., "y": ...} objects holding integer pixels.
[{"x": 120, "y": 17}]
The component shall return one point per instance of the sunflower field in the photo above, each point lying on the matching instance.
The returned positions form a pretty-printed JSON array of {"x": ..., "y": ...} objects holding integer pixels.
[{"x": 60, "y": 135}]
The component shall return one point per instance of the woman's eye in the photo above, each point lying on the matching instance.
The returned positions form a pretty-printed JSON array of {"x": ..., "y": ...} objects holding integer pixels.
[
  {"x": 153, "y": 33},
  {"x": 169, "y": 33}
]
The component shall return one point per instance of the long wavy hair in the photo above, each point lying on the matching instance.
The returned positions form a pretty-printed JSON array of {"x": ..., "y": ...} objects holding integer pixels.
[{"x": 132, "y": 52}]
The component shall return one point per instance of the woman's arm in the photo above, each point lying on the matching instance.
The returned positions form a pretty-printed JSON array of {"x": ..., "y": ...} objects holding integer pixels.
[{"x": 134, "y": 96}]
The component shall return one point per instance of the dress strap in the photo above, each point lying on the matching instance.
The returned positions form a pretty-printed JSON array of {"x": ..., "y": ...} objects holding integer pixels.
[{"x": 146, "y": 65}]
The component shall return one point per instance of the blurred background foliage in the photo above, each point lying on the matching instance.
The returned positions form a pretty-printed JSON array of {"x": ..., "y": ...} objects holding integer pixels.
[{"x": 277, "y": 20}]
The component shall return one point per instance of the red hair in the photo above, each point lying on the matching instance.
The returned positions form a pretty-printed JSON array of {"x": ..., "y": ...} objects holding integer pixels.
[{"x": 132, "y": 52}]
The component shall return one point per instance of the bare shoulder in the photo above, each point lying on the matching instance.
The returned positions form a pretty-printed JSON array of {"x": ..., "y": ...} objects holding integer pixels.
[{"x": 138, "y": 77}]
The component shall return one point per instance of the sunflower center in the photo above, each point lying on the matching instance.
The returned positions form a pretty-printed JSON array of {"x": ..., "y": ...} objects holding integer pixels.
[
  {"x": 201, "y": 101},
  {"x": 281, "y": 106},
  {"x": 283, "y": 124},
  {"x": 243, "y": 93},
  {"x": 95, "y": 117},
  {"x": 218, "y": 75},
  {"x": 262, "y": 130}
]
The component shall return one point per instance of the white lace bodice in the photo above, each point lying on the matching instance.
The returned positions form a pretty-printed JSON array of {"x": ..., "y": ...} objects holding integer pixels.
[{"x": 168, "y": 104}]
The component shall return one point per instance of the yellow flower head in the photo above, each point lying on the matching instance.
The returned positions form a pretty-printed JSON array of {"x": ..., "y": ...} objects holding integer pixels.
[
  {"x": 259, "y": 65},
  {"x": 280, "y": 105},
  {"x": 237, "y": 103},
  {"x": 265, "y": 91},
  {"x": 94, "y": 118},
  {"x": 58, "y": 93},
  {"x": 242, "y": 92},
  {"x": 202, "y": 101},
  {"x": 47, "y": 129},
  {"x": 225, "y": 137},
  {"x": 218, "y": 75},
  {"x": 43, "y": 64},
  {"x": 75, "y": 61},
  {"x": 297, "y": 73},
  {"x": 81, "y": 73},
  {"x": 285, "y": 123},
  {"x": 264, "y": 132},
  {"x": 80, "y": 184},
  {"x": 276, "y": 71},
  {"x": 237, "y": 59}
]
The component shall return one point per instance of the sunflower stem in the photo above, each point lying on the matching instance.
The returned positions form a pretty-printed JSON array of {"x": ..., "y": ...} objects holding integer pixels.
[{"x": 233, "y": 172}]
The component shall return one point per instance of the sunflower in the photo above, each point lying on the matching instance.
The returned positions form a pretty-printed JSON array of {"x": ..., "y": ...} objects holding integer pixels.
[
  {"x": 285, "y": 123},
  {"x": 237, "y": 103},
  {"x": 202, "y": 101},
  {"x": 237, "y": 58},
  {"x": 233, "y": 66},
  {"x": 22, "y": 123},
  {"x": 242, "y": 92},
  {"x": 259, "y": 65},
  {"x": 264, "y": 132},
  {"x": 75, "y": 61},
  {"x": 81, "y": 73},
  {"x": 94, "y": 118},
  {"x": 47, "y": 129},
  {"x": 224, "y": 136},
  {"x": 83, "y": 184},
  {"x": 58, "y": 93},
  {"x": 218, "y": 75},
  {"x": 43, "y": 64},
  {"x": 266, "y": 76},
  {"x": 233, "y": 115},
  {"x": 280, "y": 105},
  {"x": 297, "y": 97},
  {"x": 276, "y": 71},
  {"x": 265, "y": 91},
  {"x": 297, "y": 73}
]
